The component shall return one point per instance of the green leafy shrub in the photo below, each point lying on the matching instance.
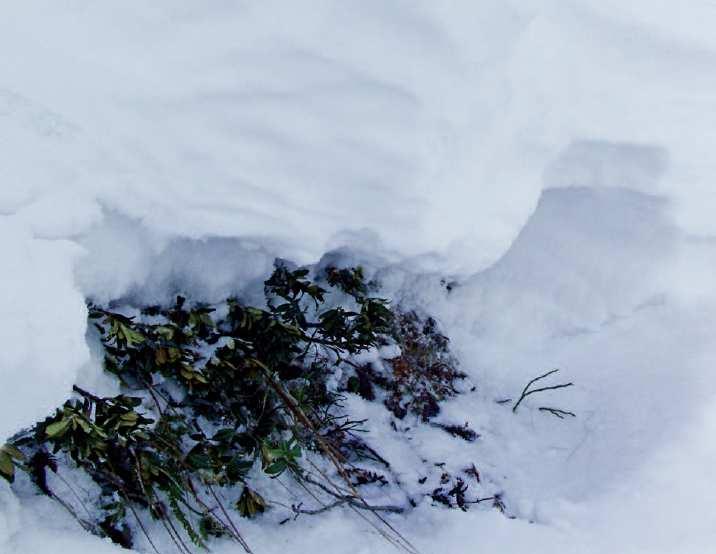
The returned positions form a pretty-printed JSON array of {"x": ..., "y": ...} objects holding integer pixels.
[{"x": 215, "y": 395}]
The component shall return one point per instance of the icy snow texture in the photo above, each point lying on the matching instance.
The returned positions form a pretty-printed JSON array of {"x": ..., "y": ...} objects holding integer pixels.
[{"x": 423, "y": 133}]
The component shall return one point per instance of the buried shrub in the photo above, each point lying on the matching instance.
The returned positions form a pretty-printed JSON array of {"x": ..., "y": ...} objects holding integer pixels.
[{"x": 218, "y": 400}]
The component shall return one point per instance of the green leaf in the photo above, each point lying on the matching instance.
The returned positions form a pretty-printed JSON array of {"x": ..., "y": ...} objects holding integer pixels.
[
  {"x": 198, "y": 459},
  {"x": 13, "y": 452},
  {"x": 86, "y": 425},
  {"x": 237, "y": 468},
  {"x": 250, "y": 503},
  {"x": 57, "y": 429},
  {"x": 133, "y": 401},
  {"x": 129, "y": 419},
  {"x": 210, "y": 526},
  {"x": 276, "y": 468},
  {"x": 224, "y": 435},
  {"x": 7, "y": 468},
  {"x": 166, "y": 332},
  {"x": 131, "y": 336}
]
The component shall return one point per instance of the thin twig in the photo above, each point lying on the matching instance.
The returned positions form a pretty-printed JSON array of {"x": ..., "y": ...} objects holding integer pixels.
[
  {"x": 352, "y": 502},
  {"x": 169, "y": 526},
  {"x": 88, "y": 395},
  {"x": 176, "y": 532},
  {"x": 356, "y": 503},
  {"x": 86, "y": 525},
  {"x": 298, "y": 413},
  {"x": 238, "y": 536},
  {"x": 478, "y": 500},
  {"x": 526, "y": 392},
  {"x": 74, "y": 493},
  {"x": 152, "y": 499},
  {"x": 141, "y": 525},
  {"x": 343, "y": 499},
  {"x": 153, "y": 394},
  {"x": 557, "y": 412}
]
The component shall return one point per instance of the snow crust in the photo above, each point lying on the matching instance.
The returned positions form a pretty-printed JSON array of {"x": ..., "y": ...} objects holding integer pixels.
[{"x": 555, "y": 157}]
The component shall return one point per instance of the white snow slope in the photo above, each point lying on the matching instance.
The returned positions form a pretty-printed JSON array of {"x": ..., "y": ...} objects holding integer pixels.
[{"x": 555, "y": 156}]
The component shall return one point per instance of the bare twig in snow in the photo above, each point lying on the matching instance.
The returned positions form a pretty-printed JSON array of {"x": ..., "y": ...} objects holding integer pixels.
[
  {"x": 557, "y": 412},
  {"x": 526, "y": 391}
]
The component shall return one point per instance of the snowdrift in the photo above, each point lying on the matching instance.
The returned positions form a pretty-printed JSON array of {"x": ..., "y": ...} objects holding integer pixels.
[{"x": 555, "y": 159}]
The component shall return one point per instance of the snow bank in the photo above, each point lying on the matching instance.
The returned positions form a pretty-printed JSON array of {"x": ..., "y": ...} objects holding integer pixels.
[
  {"x": 177, "y": 146},
  {"x": 42, "y": 319}
]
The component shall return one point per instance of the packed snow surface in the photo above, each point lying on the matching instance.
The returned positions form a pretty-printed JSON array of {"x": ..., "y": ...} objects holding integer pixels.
[{"x": 555, "y": 158}]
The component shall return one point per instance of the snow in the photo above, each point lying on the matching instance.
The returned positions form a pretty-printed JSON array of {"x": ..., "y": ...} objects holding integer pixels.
[
  {"x": 43, "y": 325},
  {"x": 554, "y": 157}
]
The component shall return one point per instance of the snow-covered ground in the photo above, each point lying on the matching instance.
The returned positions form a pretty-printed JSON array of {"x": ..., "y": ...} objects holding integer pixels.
[{"x": 553, "y": 157}]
